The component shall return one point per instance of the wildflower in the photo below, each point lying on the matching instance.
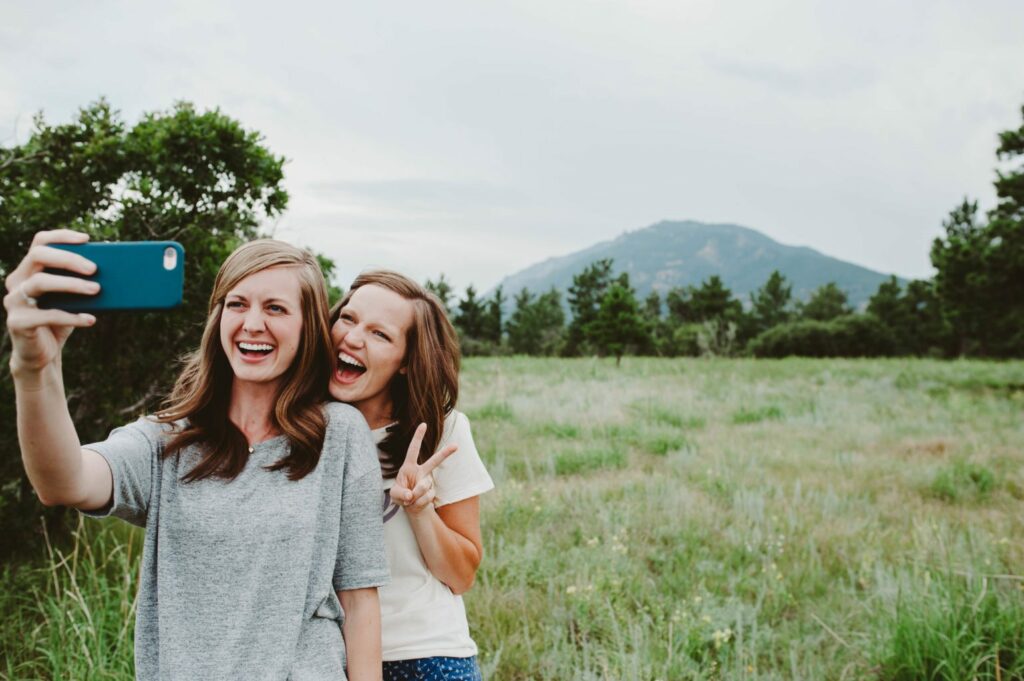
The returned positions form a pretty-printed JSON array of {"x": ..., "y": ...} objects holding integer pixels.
[
  {"x": 697, "y": 599},
  {"x": 721, "y": 636},
  {"x": 593, "y": 541},
  {"x": 706, "y": 619},
  {"x": 536, "y": 509},
  {"x": 570, "y": 590}
]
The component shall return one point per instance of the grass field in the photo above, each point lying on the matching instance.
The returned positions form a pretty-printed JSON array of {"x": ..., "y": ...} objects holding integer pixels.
[{"x": 678, "y": 519}]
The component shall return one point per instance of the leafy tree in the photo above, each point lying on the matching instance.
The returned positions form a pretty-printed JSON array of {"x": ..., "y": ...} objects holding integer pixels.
[
  {"x": 585, "y": 295},
  {"x": 827, "y": 302},
  {"x": 619, "y": 323},
  {"x": 771, "y": 304},
  {"x": 537, "y": 324},
  {"x": 471, "y": 317},
  {"x": 196, "y": 177},
  {"x": 441, "y": 288}
]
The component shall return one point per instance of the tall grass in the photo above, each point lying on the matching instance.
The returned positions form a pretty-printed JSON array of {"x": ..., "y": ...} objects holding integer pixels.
[
  {"x": 688, "y": 519},
  {"x": 74, "y": 618}
]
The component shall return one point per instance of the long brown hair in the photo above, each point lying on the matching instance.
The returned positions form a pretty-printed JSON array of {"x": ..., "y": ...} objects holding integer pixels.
[
  {"x": 429, "y": 388},
  {"x": 202, "y": 392}
]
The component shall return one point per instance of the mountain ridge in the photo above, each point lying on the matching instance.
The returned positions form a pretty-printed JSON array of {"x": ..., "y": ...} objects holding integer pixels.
[{"x": 668, "y": 254}]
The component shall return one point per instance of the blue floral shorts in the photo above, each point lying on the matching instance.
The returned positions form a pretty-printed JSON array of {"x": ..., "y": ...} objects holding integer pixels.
[{"x": 433, "y": 669}]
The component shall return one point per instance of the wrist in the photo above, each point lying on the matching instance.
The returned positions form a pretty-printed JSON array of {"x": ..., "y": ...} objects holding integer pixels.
[{"x": 33, "y": 378}]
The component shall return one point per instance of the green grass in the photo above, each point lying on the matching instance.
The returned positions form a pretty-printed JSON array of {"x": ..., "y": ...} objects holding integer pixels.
[{"x": 690, "y": 519}]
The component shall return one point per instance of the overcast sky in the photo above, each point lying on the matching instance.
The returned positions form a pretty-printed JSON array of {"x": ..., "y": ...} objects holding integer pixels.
[{"x": 476, "y": 137}]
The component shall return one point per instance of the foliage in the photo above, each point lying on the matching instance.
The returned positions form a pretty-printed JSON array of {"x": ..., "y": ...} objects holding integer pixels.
[
  {"x": 537, "y": 324},
  {"x": 827, "y": 302},
  {"x": 980, "y": 266},
  {"x": 716, "y": 338},
  {"x": 441, "y": 288},
  {"x": 711, "y": 300},
  {"x": 196, "y": 177},
  {"x": 471, "y": 315},
  {"x": 848, "y": 336},
  {"x": 618, "y": 324},
  {"x": 585, "y": 295},
  {"x": 913, "y": 316},
  {"x": 771, "y": 304},
  {"x": 493, "y": 326}
]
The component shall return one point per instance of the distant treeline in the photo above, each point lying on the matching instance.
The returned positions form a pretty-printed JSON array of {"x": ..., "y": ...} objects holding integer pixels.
[{"x": 973, "y": 306}]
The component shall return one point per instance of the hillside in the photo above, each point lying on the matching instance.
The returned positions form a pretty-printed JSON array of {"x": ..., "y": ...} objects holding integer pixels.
[{"x": 670, "y": 254}]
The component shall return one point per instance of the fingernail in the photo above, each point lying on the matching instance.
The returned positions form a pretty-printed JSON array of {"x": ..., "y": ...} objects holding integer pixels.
[
  {"x": 92, "y": 287},
  {"x": 88, "y": 319}
]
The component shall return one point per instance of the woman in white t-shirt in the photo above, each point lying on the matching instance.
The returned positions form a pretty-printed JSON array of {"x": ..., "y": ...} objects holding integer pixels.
[{"x": 398, "y": 363}]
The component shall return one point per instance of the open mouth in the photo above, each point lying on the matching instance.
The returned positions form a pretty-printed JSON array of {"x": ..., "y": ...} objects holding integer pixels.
[
  {"x": 349, "y": 368},
  {"x": 254, "y": 350}
]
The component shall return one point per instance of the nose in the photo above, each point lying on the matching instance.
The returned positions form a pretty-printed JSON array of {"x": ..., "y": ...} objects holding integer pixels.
[
  {"x": 253, "y": 322},
  {"x": 355, "y": 336}
]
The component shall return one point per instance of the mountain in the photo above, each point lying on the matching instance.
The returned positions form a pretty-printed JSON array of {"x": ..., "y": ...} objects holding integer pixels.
[{"x": 670, "y": 254}]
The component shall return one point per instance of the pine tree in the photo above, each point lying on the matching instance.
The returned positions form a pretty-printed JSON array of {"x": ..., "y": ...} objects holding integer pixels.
[{"x": 585, "y": 294}]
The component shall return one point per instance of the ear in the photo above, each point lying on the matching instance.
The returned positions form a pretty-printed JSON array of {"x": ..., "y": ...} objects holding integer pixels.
[{"x": 403, "y": 370}]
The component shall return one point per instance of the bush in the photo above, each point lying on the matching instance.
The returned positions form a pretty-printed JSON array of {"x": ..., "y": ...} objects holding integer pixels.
[{"x": 852, "y": 335}]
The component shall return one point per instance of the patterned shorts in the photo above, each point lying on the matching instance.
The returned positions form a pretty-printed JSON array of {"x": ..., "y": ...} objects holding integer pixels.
[{"x": 433, "y": 669}]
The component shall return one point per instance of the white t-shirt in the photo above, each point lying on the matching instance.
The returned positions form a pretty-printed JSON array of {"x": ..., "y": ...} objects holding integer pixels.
[{"x": 421, "y": 617}]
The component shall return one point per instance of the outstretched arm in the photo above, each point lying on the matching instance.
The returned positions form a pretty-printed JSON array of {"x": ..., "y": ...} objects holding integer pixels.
[{"x": 59, "y": 469}]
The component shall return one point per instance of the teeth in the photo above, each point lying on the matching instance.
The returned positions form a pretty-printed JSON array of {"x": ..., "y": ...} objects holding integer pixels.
[
  {"x": 346, "y": 358},
  {"x": 256, "y": 347}
]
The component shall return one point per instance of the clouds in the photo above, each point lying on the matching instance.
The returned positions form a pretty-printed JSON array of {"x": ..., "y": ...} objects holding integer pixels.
[{"x": 477, "y": 138}]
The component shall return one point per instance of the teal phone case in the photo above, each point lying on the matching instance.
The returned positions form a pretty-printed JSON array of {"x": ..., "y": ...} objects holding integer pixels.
[{"x": 133, "y": 275}]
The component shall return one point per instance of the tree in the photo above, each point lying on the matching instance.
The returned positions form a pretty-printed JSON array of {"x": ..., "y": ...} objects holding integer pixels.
[
  {"x": 472, "y": 316},
  {"x": 826, "y": 303},
  {"x": 711, "y": 300},
  {"x": 585, "y": 294},
  {"x": 980, "y": 267},
  {"x": 196, "y": 177},
  {"x": 962, "y": 279},
  {"x": 492, "y": 326},
  {"x": 618, "y": 324},
  {"x": 441, "y": 288},
  {"x": 537, "y": 324},
  {"x": 770, "y": 305}
]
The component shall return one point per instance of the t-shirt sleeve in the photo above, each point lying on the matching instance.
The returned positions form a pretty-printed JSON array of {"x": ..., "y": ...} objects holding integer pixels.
[
  {"x": 463, "y": 474},
  {"x": 133, "y": 454},
  {"x": 361, "y": 561}
]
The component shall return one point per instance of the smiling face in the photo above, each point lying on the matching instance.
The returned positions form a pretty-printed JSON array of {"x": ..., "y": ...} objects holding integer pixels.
[
  {"x": 370, "y": 339},
  {"x": 261, "y": 325}
]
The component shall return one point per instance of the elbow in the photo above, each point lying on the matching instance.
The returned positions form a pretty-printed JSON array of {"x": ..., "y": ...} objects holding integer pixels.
[{"x": 464, "y": 582}]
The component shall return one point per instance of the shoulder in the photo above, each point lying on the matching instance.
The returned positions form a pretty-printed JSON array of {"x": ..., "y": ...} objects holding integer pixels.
[
  {"x": 456, "y": 428},
  {"x": 343, "y": 417}
]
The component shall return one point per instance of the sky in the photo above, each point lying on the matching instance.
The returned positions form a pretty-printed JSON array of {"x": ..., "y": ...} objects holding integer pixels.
[{"x": 477, "y": 138}]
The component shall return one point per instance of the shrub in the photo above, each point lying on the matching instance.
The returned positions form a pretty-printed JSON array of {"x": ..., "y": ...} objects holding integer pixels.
[{"x": 848, "y": 336}]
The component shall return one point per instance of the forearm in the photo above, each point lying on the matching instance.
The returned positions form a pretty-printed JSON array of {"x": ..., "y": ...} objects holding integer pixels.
[
  {"x": 49, "y": 443},
  {"x": 361, "y": 631},
  {"x": 450, "y": 556}
]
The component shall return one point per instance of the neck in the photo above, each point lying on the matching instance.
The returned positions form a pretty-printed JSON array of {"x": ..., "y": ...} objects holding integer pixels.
[
  {"x": 251, "y": 408},
  {"x": 377, "y": 411}
]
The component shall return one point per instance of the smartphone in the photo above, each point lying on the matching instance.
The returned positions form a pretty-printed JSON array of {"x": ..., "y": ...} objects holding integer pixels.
[{"x": 133, "y": 275}]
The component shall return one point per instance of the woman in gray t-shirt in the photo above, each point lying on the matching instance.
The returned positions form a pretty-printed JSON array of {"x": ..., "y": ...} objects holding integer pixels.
[{"x": 261, "y": 506}]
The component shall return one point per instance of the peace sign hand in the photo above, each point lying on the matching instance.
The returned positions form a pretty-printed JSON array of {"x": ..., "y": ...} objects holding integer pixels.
[{"x": 414, "y": 485}]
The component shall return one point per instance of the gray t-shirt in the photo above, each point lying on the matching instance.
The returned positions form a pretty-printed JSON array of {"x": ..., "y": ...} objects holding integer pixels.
[{"x": 238, "y": 577}]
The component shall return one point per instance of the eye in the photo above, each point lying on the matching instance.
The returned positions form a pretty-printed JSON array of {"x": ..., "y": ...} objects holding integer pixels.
[
  {"x": 276, "y": 309},
  {"x": 345, "y": 317},
  {"x": 234, "y": 304},
  {"x": 381, "y": 334}
]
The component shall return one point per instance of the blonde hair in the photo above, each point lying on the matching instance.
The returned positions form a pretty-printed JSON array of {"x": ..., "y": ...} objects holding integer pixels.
[
  {"x": 202, "y": 393},
  {"x": 429, "y": 389}
]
